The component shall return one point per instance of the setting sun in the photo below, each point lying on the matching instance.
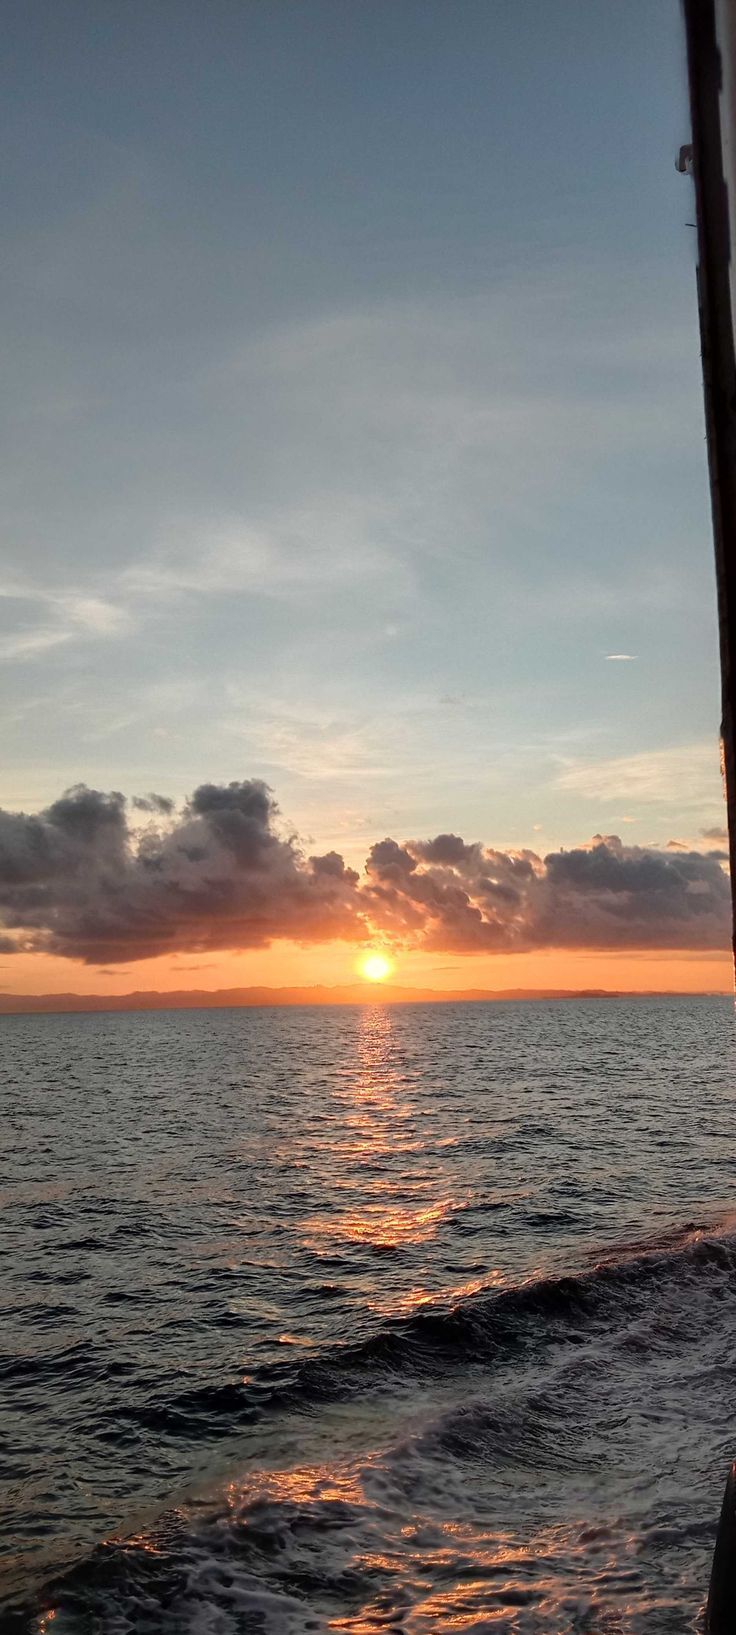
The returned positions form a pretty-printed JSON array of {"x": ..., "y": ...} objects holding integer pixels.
[{"x": 375, "y": 967}]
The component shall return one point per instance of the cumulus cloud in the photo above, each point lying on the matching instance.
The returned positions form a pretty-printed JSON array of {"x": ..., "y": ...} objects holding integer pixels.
[
  {"x": 75, "y": 880},
  {"x": 460, "y": 897},
  {"x": 79, "y": 879},
  {"x": 611, "y": 895}
]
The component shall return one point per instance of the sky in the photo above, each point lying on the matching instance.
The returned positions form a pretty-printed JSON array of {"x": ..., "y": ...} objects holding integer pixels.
[{"x": 354, "y": 448}]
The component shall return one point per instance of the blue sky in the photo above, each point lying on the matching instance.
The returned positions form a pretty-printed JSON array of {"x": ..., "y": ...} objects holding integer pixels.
[{"x": 354, "y": 415}]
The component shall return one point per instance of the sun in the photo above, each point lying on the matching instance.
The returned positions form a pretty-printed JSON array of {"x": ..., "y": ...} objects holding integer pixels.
[{"x": 375, "y": 967}]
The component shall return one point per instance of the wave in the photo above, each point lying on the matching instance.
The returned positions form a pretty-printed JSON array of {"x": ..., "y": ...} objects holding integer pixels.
[
  {"x": 489, "y": 1328},
  {"x": 541, "y": 1414}
]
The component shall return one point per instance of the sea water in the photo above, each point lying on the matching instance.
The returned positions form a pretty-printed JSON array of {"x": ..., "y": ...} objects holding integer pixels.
[{"x": 367, "y": 1319}]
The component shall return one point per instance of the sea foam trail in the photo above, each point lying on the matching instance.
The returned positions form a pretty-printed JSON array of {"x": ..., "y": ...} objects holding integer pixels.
[
  {"x": 534, "y": 1391},
  {"x": 489, "y": 1329}
]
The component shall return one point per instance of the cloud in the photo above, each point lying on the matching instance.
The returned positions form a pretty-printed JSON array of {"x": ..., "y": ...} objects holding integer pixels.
[
  {"x": 28, "y": 644},
  {"x": 620, "y": 658},
  {"x": 612, "y": 895},
  {"x": 448, "y": 895},
  {"x": 685, "y": 774},
  {"x": 74, "y": 880},
  {"x": 160, "y": 804},
  {"x": 298, "y": 551},
  {"x": 79, "y": 880},
  {"x": 65, "y": 617},
  {"x": 93, "y": 614}
]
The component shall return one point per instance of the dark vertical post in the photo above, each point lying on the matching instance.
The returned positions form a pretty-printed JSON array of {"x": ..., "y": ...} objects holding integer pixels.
[
  {"x": 719, "y": 362},
  {"x": 711, "y": 31},
  {"x": 720, "y": 1614}
]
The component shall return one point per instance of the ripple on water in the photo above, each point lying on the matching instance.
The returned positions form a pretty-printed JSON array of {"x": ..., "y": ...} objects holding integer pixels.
[{"x": 477, "y": 1240}]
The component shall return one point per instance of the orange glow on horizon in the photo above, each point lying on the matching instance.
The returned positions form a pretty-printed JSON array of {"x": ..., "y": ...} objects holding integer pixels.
[{"x": 287, "y": 964}]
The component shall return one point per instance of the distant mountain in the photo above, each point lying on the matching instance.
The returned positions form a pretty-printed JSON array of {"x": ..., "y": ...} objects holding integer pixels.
[{"x": 354, "y": 993}]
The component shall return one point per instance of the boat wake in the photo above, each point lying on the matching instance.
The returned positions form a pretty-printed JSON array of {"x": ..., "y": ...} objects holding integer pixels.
[{"x": 596, "y": 1409}]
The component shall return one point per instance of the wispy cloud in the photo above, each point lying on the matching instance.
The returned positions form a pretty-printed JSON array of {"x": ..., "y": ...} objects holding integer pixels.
[
  {"x": 65, "y": 616},
  {"x": 92, "y": 614},
  {"x": 28, "y": 644},
  {"x": 687, "y": 775},
  {"x": 293, "y": 551}
]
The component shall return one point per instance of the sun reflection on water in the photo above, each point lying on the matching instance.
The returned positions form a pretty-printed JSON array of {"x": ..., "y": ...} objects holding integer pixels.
[
  {"x": 411, "y": 1300},
  {"x": 302, "y": 1485},
  {"x": 377, "y": 1121},
  {"x": 381, "y": 1226}
]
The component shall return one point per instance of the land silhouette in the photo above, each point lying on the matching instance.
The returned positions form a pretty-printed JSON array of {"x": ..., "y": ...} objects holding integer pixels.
[{"x": 354, "y": 993}]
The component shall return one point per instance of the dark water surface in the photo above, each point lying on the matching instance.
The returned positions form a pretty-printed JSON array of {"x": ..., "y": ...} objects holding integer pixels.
[{"x": 418, "y": 1319}]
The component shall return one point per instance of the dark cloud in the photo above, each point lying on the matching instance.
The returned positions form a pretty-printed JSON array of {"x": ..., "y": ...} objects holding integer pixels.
[
  {"x": 609, "y": 895},
  {"x": 333, "y": 867},
  {"x": 160, "y": 804},
  {"x": 82, "y": 884},
  {"x": 451, "y": 896},
  {"x": 440, "y": 892},
  {"x": 719, "y": 835},
  {"x": 77, "y": 880},
  {"x": 446, "y": 849}
]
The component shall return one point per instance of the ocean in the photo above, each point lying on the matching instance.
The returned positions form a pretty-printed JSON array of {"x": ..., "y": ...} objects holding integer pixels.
[{"x": 378, "y": 1320}]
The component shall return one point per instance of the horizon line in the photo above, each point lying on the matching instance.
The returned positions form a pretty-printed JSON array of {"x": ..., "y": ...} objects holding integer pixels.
[{"x": 319, "y": 996}]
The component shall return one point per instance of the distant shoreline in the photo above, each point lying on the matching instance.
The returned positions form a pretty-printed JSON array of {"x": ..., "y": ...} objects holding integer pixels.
[{"x": 280, "y": 998}]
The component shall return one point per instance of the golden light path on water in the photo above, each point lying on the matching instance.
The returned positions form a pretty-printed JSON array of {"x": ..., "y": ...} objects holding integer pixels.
[{"x": 386, "y": 1210}]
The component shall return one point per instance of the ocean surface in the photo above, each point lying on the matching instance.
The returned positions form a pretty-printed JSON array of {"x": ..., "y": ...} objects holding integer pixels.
[{"x": 415, "y": 1320}]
